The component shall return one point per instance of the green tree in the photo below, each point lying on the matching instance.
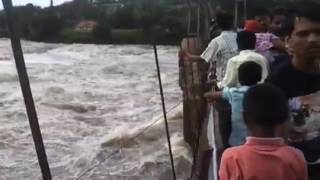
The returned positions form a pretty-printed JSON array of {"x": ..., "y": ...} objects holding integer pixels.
[
  {"x": 46, "y": 27},
  {"x": 103, "y": 31},
  {"x": 124, "y": 18}
]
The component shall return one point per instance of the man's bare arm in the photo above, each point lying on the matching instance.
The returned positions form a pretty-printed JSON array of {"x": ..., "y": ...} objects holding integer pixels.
[{"x": 213, "y": 96}]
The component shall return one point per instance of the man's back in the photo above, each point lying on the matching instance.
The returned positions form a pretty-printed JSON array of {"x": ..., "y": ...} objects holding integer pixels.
[
  {"x": 230, "y": 78},
  {"x": 263, "y": 159},
  {"x": 235, "y": 97},
  {"x": 220, "y": 50}
]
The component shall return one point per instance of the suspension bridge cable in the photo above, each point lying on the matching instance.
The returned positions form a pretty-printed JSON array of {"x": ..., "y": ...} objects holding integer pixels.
[
  {"x": 130, "y": 139},
  {"x": 164, "y": 111}
]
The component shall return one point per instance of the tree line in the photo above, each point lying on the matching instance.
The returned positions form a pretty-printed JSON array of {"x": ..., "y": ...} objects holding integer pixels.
[{"x": 118, "y": 21}]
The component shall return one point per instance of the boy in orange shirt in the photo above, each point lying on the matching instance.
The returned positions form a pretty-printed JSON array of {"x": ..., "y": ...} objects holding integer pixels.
[{"x": 264, "y": 156}]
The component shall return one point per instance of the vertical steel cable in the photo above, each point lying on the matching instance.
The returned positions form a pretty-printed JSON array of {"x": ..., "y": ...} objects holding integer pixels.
[{"x": 164, "y": 111}]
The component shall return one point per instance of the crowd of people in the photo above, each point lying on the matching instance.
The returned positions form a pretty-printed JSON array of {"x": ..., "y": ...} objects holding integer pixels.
[{"x": 268, "y": 97}]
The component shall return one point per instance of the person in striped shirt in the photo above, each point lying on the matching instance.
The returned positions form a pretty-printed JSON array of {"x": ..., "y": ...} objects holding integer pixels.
[{"x": 217, "y": 55}]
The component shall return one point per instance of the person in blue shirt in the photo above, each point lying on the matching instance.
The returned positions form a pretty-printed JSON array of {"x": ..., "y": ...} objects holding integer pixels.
[{"x": 249, "y": 74}]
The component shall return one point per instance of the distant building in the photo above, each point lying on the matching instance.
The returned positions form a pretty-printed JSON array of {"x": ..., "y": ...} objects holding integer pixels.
[{"x": 86, "y": 26}]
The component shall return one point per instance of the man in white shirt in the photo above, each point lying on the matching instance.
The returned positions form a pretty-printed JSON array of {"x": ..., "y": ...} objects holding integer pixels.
[
  {"x": 217, "y": 54},
  {"x": 221, "y": 48},
  {"x": 246, "y": 43}
]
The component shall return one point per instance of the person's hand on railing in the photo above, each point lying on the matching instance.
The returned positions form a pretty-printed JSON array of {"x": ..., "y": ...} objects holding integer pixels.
[
  {"x": 211, "y": 96},
  {"x": 184, "y": 55}
]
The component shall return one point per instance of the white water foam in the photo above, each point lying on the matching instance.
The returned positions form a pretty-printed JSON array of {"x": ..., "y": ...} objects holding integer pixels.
[{"x": 93, "y": 102}]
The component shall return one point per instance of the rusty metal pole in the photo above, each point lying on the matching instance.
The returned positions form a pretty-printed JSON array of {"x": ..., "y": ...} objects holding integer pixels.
[{"x": 26, "y": 91}]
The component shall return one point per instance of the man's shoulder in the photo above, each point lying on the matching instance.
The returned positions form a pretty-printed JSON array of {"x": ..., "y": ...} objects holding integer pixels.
[
  {"x": 217, "y": 40},
  {"x": 237, "y": 89},
  {"x": 233, "y": 152},
  {"x": 285, "y": 69},
  {"x": 228, "y": 33},
  {"x": 235, "y": 58},
  {"x": 284, "y": 66},
  {"x": 259, "y": 58},
  {"x": 224, "y": 36},
  {"x": 255, "y": 54},
  {"x": 252, "y": 55},
  {"x": 292, "y": 153},
  {"x": 230, "y": 89}
]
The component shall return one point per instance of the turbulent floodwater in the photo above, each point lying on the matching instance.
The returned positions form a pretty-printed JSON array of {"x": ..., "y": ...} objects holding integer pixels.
[{"x": 99, "y": 111}]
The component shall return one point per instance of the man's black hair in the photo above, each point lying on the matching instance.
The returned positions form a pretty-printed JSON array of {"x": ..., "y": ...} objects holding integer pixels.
[
  {"x": 249, "y": 73},
  {"x": 307, "y": 9},
  {"x": 246, "y": 40},
  {"x": 265, "y": 105},
  {"x": 224, "y": 20}
]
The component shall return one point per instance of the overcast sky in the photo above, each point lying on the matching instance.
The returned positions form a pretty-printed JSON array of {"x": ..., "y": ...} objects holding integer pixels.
[{"x": 42, "y": 3}]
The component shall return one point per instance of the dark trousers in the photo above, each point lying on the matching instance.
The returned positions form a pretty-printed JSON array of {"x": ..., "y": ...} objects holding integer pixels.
[
  {"x": 314, "y": 172},
  {"x": 224, "y": 112},
  {"x": 311, "y": 151}
]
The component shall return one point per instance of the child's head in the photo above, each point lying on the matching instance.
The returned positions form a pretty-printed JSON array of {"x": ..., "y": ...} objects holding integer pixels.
[
  {"x": 265, "y": 109},
  {"x": 249, "y": 73},
  {"x": 246, "y": 40}
]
